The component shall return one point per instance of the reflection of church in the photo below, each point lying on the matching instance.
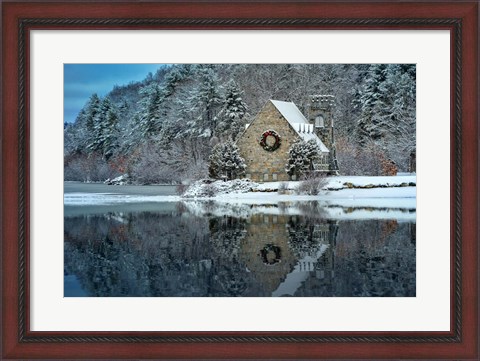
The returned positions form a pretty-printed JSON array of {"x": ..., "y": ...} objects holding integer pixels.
[
  {"x": 283, "y": 251},
  {"x": 291, "y": 254}
]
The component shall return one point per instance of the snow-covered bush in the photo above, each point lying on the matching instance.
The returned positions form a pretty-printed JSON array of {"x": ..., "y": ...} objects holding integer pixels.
[
  {"x": 207, "y": 188},
  {"x": 312, "y": 185},
  {"x": 283, "y": 188},
  {"x": 225, "y": 161},
  {"x": 301, "y": 157}
]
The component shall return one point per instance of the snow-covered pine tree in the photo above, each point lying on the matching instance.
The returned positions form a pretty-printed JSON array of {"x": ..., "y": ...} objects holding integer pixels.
[
  {"x": 76, "y": 134},
  {"x": 110, "y": 134},
  {"x": 92, "y": 113},
  {"x": 374, "y": 112},
  {"x": 301, "y": 157},
  {"x": 149, "y": 112},
  {"x": 206, "y": 100},
  {"x": 175, "y": 75},
  {"x": 93, "y": 109},
  {"x": 233, "y": 111},
  {"x": 225, "y": 161},
  {"x": 387, "y": 103},
  {"x": 401, "y": 135},
  {"x": 104, "y": 133}
]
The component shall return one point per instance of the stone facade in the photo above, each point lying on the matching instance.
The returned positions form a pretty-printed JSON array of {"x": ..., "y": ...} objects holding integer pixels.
[
  {"x": 320, "y": 114},
  {"x": 263, "y": 165},
  {"x": 267, "y": 165}
]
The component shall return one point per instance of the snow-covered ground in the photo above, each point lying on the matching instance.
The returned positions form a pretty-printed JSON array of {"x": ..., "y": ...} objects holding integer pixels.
[
  {"x": 397, "y": 192},
  {"x": 378, "y": 192},
  {"x": 371, "y": 182},
  {"x": 404, "y": 197},
  {"x": 202, "y": 188}
]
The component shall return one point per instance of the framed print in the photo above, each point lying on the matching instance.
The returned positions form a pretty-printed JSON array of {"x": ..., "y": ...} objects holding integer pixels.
[{"x": 375, "y": 268}]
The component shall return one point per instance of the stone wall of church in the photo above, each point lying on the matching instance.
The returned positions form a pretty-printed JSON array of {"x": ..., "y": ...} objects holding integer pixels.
[{"x": 263, "y": 165}]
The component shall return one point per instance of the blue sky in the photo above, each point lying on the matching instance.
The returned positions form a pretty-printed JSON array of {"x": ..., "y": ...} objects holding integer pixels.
[{"x": 80, "y": 81}]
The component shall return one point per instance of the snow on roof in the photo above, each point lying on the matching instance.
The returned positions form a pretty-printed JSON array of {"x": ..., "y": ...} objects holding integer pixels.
[
  {"x": 306, "y": 136},
  {"x": 290, "y": 112},
  {"x": 298, "y": 122}
]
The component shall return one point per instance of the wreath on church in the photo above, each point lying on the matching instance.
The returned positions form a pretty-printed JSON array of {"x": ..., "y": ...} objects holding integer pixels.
[
  {"x": 271, "y": 254},
  {"x": 270, "y": 145}
]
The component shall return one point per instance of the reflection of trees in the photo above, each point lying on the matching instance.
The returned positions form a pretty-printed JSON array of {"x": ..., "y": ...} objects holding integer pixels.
[
  {"x": 150, "y": 254},
  {"x": 307, "y": 234},
  {"x": 312, "y": 210},
  {"x": 146, "y": 254},
  {"x": 225, "y": 236},
  {"x": 180, "y": 254},
  {"x": 310, "y": 231},
  {"x": 372, "y": 258}
]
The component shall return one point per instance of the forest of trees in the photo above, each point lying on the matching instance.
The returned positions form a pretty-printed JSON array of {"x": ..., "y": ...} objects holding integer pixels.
[{"x": 163, "y": 129}]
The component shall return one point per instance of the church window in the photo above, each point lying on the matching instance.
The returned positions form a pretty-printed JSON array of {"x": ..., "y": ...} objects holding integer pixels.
[{"x": 319, "y": 122}]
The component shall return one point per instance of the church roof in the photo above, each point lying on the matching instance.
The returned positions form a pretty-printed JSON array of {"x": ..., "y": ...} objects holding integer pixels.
[{"x": 298, "y": 122}]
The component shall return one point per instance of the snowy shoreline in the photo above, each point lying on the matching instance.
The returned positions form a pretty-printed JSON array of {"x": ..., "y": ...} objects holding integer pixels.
[
  {"x": 367, "y": 192},
  {"x": 336, "y": 188}
]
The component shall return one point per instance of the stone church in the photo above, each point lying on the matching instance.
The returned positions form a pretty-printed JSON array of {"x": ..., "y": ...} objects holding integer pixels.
[{"x": 266, "y": 141}]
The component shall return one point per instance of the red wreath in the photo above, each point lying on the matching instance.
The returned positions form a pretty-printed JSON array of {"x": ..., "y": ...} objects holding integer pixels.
[{"x": 274, "y": 146}]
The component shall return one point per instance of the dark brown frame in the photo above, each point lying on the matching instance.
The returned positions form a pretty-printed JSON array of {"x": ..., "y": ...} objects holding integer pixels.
[{"x": 461, "y": 18}]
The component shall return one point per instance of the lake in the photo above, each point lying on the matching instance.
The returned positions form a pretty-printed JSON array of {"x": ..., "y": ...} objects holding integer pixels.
[{"x": 179, "y": 248}]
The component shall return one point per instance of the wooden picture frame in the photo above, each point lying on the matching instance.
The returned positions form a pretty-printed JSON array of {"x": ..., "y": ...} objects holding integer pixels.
[{"x": 18, "y": 18}]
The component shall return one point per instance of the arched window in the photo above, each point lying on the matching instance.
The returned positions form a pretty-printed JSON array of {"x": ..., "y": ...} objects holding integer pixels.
[{"x": 319, "y": 122}]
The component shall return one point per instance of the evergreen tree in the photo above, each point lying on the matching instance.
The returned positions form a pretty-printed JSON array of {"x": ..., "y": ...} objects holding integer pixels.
[
  {"x": 401, "y": 130},
  {"x": 301, "y": 158},
  {"x": 92, "y": 112},
  {"x": 233, "y": 111},
  {"x": 89, "y": 119},
  {"x": 205, "y": 101},
  {"x": 110, "y": 134},
  {"x": 374, "y": 112},
  {"x": 225, "y": 161},
  {"x": 387, "y": 102},
  {"x": 173, "y": 78},
  {"x": 104, "y": 130},
  {"x": 149, "y": 114},
  {"x": 75, "y": 135}
]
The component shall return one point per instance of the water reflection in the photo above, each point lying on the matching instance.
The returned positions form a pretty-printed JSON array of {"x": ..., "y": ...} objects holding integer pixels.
[{"x": 203, "y": 249}]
